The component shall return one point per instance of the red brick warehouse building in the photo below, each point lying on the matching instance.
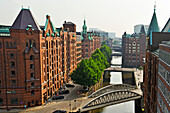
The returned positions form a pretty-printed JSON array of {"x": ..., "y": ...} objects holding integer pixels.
[
  {"x": 35, "y": 61},
  {"x": 90, "y": 41}
]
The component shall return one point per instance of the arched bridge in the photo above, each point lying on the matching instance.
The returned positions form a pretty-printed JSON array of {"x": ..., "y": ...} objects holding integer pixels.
[{"x": 109, "y": 95}]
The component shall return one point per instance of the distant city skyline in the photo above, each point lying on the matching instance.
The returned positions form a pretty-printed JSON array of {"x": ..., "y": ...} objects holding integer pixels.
[{"x": 108, "y": 15}]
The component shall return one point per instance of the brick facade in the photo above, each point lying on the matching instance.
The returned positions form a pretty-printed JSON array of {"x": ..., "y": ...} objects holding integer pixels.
[{"x": 35, "y": 61}]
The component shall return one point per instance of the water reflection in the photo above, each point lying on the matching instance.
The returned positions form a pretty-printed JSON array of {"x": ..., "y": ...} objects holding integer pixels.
[{"x": 116, "y": 78}]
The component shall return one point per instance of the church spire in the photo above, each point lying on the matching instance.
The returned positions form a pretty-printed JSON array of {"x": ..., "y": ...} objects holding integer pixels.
[
  {"x": 84, "y": 27},
  {"x": 155, "y": 7},
  {"x": 153, "y": 27}
]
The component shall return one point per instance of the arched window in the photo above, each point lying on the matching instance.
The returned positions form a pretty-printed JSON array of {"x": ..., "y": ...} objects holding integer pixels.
[{"x": 31, "y": 58}]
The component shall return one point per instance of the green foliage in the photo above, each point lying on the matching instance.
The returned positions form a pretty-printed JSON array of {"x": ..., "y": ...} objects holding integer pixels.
[
  {"x": 89, "y": 71},
  {"x": 106, "y": 51},
  {"x": 84, "y": 75},
  {"x": 140, "y": 68},
  {"x": 101, "y": 58},
  {"x": 104, "y": 43}
]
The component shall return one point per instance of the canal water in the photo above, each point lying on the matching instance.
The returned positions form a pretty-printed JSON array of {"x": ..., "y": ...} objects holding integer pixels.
[{"x": 119, "y": 78}]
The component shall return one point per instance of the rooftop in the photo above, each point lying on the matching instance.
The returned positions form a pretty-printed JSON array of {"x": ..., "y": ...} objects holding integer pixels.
[
  {"x": 167, "y": 26},
  {"x": 24, "y": 19}
]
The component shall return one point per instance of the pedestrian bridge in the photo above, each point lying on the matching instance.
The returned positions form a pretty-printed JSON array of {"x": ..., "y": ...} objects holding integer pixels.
[
  {"x": 110, "y": 95},
  {"x": 117, "y": 69}
]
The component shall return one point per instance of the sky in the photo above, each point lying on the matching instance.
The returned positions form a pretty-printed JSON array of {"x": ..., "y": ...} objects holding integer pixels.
[{"x": 108, "y": 15}]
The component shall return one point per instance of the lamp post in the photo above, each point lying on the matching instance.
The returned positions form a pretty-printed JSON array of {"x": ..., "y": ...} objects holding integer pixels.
[
  {"x": 75, "y": 103},
  {"x": 70, "y": 106}
]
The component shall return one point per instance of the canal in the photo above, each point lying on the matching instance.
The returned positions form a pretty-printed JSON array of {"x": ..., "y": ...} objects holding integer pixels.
[{"x": 119, "y": 78}]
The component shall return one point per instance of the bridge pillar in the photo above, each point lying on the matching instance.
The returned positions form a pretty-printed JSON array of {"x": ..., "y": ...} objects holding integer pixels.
[{"x": 138, "y": 106}]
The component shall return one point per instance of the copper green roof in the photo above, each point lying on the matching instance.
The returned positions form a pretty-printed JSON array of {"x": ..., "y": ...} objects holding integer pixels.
[
  {"x": 4, "y": 30},
  {"x": 84, "y": 28},
  {"x": 46, "y": 23},
  {"x": 153, "y": 27}
]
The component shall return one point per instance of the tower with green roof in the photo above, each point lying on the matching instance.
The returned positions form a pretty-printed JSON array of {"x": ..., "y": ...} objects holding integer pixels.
[
  {"x": 153, "y": 27},
  {"x": 84, "y": 28}
]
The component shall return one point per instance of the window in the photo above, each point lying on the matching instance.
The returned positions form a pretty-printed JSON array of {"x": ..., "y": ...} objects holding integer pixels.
[
  {"x": 1, "y": 100},
  {"x": 12, "y": 73},
  {"x": 6, "y": 44},
  {"x": 27, "y": 44},
  {"x": 10, "y": 44},
  {"x": 15, "y": 44},
  {"x": 32, "y": 75},
  {"x": 86, "y": 55},
  {"x": 31, "y": 58},
  {"x": 12, "y": 64},
  {"x": 11, "y": 55},
  {"x": 32, "y": 101},
  {"x": 14, "y": 100},
  {"x": 31, "y": 66},
  {"x": 32, "y": 92},
  {"x": 32, "y": 84},
  {"x": 13, "y": 82},
  {"x": 86, "y": 50},
  {"x": 34, "y": 44}
]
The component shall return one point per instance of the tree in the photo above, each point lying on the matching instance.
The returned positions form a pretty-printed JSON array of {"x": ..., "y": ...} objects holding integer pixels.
[
  {"x": 101, "y": 58},
  {"x": 106, "y": 51},
  {"x": 104, "y": 43},
  {"x": 84, "y": 75},
  {"x": 93, "y": 65}
]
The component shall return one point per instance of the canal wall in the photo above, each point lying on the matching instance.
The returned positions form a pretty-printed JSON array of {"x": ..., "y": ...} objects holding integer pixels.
[{"x": 97, "y": 86}]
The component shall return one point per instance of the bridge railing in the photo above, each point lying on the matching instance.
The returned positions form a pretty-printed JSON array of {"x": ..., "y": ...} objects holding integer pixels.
[
  {"x": 112, "y": 87},
  {"x": 112, "y": 96}
]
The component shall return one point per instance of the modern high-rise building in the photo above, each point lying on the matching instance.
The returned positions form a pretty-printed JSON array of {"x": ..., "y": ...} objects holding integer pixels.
[
  {"x": 138, "y": 27},
  {"x": 35, "y": 61},
  {"x": 133, "y": 49}
]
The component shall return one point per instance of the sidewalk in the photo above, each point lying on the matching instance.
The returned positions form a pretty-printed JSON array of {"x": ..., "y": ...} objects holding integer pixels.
[{"x": 75, "y": 94}]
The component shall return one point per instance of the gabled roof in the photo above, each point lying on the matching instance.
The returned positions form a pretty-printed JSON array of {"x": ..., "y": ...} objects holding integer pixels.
[
  {"x": 52, "y": 25},
  {"x": 153, "y": 27},
  {"x": 24, "y": 19},
  {"x": 167, "y": 26}
]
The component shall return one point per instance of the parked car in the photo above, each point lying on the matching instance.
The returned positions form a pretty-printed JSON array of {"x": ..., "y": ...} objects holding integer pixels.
[
  {"x": 70, "y": 85},
  {"x": 59, "y": 111},
  {"x": 57, "y": 97},
  {"x": 64, "y": 92}
]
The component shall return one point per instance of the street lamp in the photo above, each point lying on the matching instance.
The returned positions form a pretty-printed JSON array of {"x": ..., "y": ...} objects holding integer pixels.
[{"x": 75, "y": 103}]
